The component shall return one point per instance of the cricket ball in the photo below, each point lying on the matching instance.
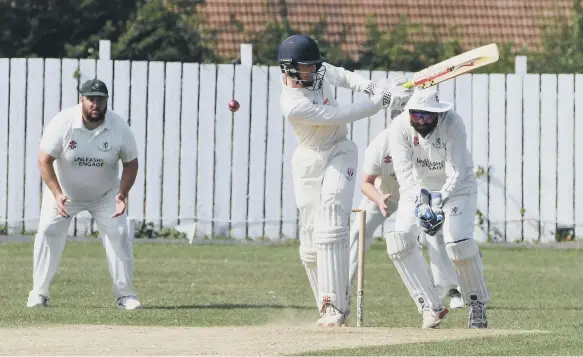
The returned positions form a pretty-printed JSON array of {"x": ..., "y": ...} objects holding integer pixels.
[{"x": 234, "y": 105}]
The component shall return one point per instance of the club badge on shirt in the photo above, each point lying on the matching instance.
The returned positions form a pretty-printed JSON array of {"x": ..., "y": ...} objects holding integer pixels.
[
  {"x": 105, "y": 147},
  {"x": 350, "y": 174}
]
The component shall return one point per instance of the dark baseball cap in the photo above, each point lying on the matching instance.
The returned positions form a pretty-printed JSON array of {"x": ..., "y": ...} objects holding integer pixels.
[{"x": 94, "y": 88}]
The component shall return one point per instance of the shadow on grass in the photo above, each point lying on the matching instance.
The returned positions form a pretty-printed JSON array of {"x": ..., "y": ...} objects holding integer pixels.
[
  {"x": 230, "y": 306},
  {"x": 522, "y": 308}
]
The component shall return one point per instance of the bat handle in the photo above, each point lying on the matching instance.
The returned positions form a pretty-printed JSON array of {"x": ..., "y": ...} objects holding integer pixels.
[{"x": 408, "y": 84}]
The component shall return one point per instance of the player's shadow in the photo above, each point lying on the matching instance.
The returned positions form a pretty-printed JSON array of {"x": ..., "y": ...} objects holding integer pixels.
[
  {"x": 520, "y": 308},
  {"x": 230, "y": 306}
]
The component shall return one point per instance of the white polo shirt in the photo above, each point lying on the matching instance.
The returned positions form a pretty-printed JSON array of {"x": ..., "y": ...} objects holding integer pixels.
[{"x": 87, "y": 161}]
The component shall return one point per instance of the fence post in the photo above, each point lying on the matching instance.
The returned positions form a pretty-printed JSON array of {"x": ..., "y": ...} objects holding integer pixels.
[
  {"x": 520, "y": 65},
  {"x": 246, "y": 54},
  {"x": 104, "y": 49}
]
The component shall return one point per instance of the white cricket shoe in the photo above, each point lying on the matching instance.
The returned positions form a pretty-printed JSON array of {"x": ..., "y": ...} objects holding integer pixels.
[
  {"x": 456, "y": 301},
  {"x": 431, "y": 317},
  {"x": 37, "y": 300},
  {"x": 128, "y": 303},
  {"x": 331, "y": 316}
]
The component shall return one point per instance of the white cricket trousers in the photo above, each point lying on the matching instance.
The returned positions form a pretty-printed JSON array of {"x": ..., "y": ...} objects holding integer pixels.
[
  {"x": 442, "y": 269},
  {"x": 458, "y": 234},
  {"x": 324, "y": 179},
  {"x": 50, "y": 239}
]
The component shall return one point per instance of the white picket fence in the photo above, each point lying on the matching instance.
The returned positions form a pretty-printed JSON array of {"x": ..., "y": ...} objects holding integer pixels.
[{"x": 230, "y": 173}]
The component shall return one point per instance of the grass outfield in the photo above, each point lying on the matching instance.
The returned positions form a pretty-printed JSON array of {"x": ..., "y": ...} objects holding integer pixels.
[{"x": 533, "y": 289}]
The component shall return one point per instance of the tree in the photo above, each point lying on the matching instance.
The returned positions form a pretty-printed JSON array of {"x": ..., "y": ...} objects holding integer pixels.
[
  {"x": 266, "y": 43},
  {"x": 59, "y": 28},
  {"x": 98, "y": 20},
  {"x": 562, "y": 44},
  {"x": 393, "y": 50},
  {"x": 157, "y": 33}
]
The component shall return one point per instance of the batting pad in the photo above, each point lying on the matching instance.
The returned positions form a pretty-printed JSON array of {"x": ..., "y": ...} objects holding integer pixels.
[
  {"x": 465, "y": 256},
  {"x": 413, "y": 269},
  {"x": 331, "y": 239},
  {"x": 309, "y": 259}
]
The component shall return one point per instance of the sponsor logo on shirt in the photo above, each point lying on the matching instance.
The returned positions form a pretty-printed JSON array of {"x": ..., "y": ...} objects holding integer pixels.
[
  {"x": 89, "y": 161},
  {"x": 438, "y": 144},
  {"x": 72, "y": 144},
  {"x": 431, "y": 165},
  {"x": 388, "y": 159}
]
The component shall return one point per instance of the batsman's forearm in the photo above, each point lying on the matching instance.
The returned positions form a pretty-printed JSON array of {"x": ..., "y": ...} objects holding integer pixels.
[
  {"x": 47, "y": 172},
  {"x": 370, "y": 191},
  {"x": 128, "y": 177}
]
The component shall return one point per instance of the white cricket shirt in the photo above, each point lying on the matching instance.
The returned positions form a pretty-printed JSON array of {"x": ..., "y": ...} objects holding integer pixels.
[
  {"x": 378, "y": 162},
  {"x": 439, "y": 162},
  {"x": 316, "y": 117},
  {"x": 87, "y": 161}
]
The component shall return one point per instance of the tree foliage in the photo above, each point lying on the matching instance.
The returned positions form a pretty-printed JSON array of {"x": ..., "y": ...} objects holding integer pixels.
[
  {"x": 157, "y": 33},
  {"x": 139, "y": 30},
  {"x": 60, "y": 28},
  {"x": 266, "y": 43},
  {"x": 562, "y": 45}
]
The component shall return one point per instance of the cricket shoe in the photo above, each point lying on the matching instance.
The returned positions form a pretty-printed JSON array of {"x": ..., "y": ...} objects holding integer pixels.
[
  {"x": 431, "y": 317},
  {"x": 478, "y": 318},
  {"x": 330, "y": 315},
  {"x": 37, "y": 300},
  {"x": 128, "y": 303},
  {"x": 455, "y": 299}
]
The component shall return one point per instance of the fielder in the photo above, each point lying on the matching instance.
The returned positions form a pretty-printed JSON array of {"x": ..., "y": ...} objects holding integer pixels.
[
  {"x": 381, "y": 190},
  {"x": 437, "y": 191},
  {"x": 79, "y": 157},
  {"x": 324, "y": 164}
]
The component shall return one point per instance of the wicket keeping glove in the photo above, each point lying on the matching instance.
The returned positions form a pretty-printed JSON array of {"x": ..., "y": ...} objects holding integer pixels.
[{"x": 429, "y": 216}]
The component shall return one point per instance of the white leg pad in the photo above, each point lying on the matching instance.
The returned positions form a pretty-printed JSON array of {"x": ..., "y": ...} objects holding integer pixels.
[
  {"x": 331, "y": 230},
  {"x": 309, "y": 257},
  {"x": 466, "y": 258},
  {"x": 442, "y": 269},
  {"x": 413, "y": 269}
]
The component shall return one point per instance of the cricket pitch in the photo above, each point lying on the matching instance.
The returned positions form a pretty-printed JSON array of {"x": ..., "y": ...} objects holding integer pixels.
[{"x": 242, "y": 341}]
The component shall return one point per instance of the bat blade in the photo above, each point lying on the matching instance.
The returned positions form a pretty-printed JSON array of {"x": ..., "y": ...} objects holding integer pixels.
[{"x": 455, "y": 66}]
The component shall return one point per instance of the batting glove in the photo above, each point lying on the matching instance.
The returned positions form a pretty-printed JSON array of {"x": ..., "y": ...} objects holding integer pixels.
[
  {"x": 400, "y": 95},
  {"x": 395, "y": 96}
]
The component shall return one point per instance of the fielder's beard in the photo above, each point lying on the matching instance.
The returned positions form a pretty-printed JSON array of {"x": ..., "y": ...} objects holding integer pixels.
[
  {"x": 424, "y": 130},
  {"x": 100, "y": 115}
]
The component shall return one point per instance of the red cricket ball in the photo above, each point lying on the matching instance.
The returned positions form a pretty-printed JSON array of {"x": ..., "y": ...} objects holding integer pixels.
[{"x": 234, "y": 105}]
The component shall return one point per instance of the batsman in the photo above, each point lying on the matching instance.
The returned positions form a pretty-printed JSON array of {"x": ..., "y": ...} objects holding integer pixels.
[
  {"x": 438, "y": 191},
  {"x": 324, "y": 164}
]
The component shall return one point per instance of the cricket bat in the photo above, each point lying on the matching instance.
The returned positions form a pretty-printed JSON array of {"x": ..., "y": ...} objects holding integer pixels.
[{"x": 455, "y": 66}]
